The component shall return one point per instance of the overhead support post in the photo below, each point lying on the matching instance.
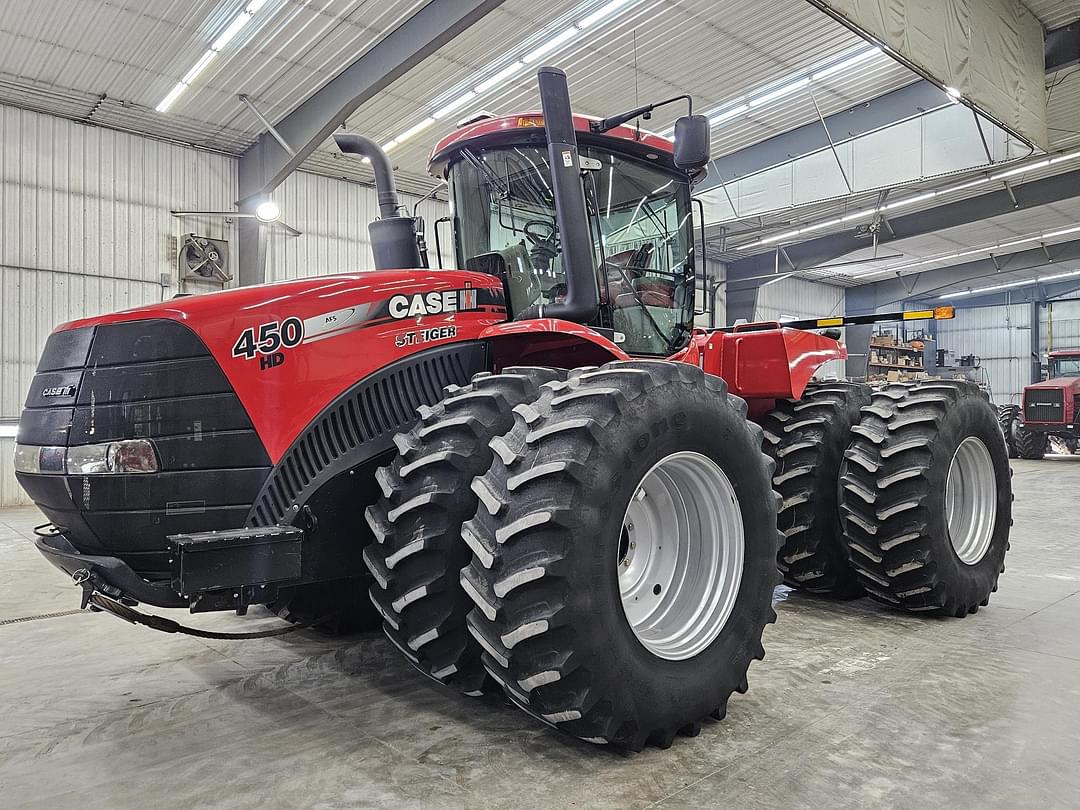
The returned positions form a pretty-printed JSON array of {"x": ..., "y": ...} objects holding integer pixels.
[
  {"x": 1036, "y": 348},
  {"x": 273, "y": 157}
]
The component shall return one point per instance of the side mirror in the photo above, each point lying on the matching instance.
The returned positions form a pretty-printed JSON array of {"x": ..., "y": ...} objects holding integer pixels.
[{"x": 692, "y": 141}]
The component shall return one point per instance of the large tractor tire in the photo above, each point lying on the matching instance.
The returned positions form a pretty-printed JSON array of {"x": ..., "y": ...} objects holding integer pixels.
[
  {"x": 335, "y": 608},
  {"x": 1009, "y": 418},
  {"x": 625, "y": 553},
  {"x": 418, "y": 554},
  {"x": 926, "y": 497},
  {"x": 1030, "y": 444},
  {"x": 807, "y": 439}
]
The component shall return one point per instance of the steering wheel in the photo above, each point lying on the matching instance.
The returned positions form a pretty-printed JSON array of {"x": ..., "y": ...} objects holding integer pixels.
[
  {"x": 540, "y": 233},
  {"x": 543, "y": 241}
]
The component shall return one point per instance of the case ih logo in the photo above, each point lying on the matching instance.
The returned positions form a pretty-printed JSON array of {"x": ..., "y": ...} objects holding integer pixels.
[
  {"x": 59, "y": 391},
  {"x": 433, "y": 303}
]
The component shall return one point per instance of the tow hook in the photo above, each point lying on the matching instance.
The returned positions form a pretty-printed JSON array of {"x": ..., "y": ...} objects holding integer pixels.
[{"x": 90, "y": 584}]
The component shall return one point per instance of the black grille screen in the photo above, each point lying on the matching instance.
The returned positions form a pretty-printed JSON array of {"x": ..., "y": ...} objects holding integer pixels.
[
  {"x": 1044, "y": 405},
  {"x": 141, "y": 379}
]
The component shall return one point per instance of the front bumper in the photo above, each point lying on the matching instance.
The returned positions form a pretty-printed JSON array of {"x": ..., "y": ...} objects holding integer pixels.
[{"x": 112, "y": 571}]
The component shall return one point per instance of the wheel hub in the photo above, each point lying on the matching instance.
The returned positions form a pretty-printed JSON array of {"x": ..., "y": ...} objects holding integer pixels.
[
  {"x": 971, "y": 500},
  {"x": 680, "y": 557}
]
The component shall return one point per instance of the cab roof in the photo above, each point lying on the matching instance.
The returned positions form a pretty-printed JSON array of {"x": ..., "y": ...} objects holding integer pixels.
[
  {"x": 529, "y": 126},
  {"x": 1065, "y": 353}
]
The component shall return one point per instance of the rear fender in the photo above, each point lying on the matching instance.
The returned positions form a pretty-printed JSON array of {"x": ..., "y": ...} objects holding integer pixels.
[
  {"x": 548, "y": 342},
  {"x": 768, "y": 364}
]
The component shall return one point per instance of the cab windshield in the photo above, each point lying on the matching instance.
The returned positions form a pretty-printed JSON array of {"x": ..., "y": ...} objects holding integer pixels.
[
  {"x": 1065, "y": 367},
  {"x": 639, "y": 217}
]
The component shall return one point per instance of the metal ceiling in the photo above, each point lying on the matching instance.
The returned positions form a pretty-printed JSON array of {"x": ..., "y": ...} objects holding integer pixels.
[
  {"x": 109, "y": 62},
  {"x": 1054, "y": 13}
]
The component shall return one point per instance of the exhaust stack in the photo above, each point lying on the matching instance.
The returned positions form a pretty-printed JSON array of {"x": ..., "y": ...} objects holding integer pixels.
[
  {"x": 582, "y": 296},
  {"x": 393, "y": 237}
]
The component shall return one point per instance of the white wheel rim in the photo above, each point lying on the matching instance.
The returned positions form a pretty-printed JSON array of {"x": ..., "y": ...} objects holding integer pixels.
[
  {"x": 971, "y": 500},
  {"x": 680, "y": 558}
]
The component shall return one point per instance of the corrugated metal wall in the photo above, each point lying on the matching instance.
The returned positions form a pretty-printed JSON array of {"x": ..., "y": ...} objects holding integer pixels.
[
  {"x": 85, "y": 228},
  {"x": 333, "y": 216},
  {"x": 795, "y": 298},
  {"x": 1060, "y": 328},
  {"x": 1001, "y": 337}
]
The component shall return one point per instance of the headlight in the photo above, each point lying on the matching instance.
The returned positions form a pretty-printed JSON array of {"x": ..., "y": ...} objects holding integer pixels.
[
  {"x": 33, "y": 459},
  {"x": 121, "y": 457}
]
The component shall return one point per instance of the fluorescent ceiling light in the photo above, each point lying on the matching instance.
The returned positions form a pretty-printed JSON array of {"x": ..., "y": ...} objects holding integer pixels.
[
  {"x": 8, "y": 431},
  {"x": 971, "y": 184},
  {"x": 448, "y": 108},
  {"x": 602, "y": 13},
  {"x": 551, "y": 45},
  {"x": 1056, "y": 276},
  {"x": 415, "y": 129},
  {"x": 1023, "y": 283},
  {"x": 910, "y": 201},
  {"x": 239, "y": 21},
  {"x": 779, "y": 92},
  {"x": 1062, "y": 232},
  {"x": 1020, "y": 169},
  {"x": 729, "y": 113},
  {"x": 233, "y": 28},
  {"x": 846, "y": 64},
  {"x": 173, "y": 95},
  {"x": 198, "y": 67},
  {"x": 499, "y": 77},
  {"x": 763, "y": 95}
]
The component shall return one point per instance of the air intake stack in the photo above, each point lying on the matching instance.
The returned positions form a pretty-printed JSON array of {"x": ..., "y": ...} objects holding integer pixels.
[{"x": 393, "y": 237}]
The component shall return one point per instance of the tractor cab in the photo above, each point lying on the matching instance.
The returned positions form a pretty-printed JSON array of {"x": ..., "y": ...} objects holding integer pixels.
[
  {"x": 639, "y": 246},
  {"x": 1064, "y": 364}
]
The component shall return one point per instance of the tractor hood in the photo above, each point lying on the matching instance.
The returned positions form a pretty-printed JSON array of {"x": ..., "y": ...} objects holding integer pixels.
[
  {"x": 287, "y": 349},
  {"x": 1057, "y": 384}
]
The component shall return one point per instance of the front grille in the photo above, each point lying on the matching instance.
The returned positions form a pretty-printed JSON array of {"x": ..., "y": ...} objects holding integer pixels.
[
  {"x": 141, "y": 379},
  {"x": 1044, "y": 405}
]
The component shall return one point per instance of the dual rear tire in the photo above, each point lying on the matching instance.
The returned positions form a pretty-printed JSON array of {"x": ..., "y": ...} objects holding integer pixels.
[
  {"x": 603, "y": 543},
  {"x": 914, "y": 513},
  {"x": 608, "y": 508}
]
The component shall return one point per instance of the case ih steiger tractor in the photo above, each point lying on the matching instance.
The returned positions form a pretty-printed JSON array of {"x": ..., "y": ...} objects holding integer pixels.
[
  {"x": 545, "y": 478},
  {"x": 1050, "y": 408}
]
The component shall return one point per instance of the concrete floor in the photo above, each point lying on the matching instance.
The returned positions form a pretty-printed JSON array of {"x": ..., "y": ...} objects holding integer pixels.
[{"x": 854, "y": 706}]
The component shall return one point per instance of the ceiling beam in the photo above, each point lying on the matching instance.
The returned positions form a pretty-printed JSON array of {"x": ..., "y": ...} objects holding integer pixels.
[
  {"x": 814, "y": 252},
  {"x": 264, "y": 166},
  {"x": 1063, "y": 47},
  {"x": 931, "y": 284}
]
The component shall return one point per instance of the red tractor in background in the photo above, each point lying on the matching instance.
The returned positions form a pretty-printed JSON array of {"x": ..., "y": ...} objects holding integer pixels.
[
  {"x": 1050, "y": 409},
  {"x": 543, "y": 476}
]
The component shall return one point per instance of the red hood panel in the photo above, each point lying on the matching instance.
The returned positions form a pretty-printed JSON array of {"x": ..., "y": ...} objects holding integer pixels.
[
  {"x": 311, "y": 339},
  {"x": 1068, "y": 383}
]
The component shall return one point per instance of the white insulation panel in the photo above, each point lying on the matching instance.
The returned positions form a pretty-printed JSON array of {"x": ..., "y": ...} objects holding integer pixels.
[{"x": 86, "y": 229}]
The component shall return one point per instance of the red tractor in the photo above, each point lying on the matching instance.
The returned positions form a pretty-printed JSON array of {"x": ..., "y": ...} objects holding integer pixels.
[
  {"x": 543, "y": 476},
  {"x": 1050, "y": 408}
]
